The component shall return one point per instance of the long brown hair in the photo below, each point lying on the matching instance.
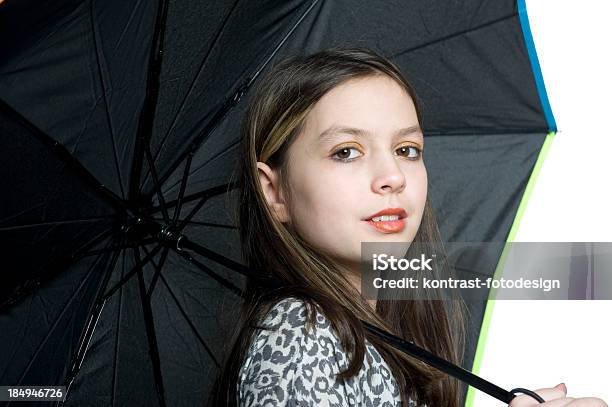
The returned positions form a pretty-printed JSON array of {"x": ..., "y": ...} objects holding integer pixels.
[{"x": 275, "y": 117}]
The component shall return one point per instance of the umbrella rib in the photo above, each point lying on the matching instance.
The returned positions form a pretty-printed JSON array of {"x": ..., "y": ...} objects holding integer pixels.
[
  {"x": 455, "y": 34},
  {"x": 206, "y": 132},
  {"x": 193, "y": 212},
  {"x": 119, "y": 247},
  {"x": 214, "y": 225},
  {"x": 158, "y": 274},
  {"x": 24, "y": 211},
  {"x": 192, "y": 84},
  {"x": 211, "y": 159},
  {"x": 64, "y": 155},
  {"x": 147, "y": 114},
  {"x": 58, "y": 263},
  {"x": 59, "y": 222},
  {"x": 232, "y": 101},
  {"x": 64, "y": 308},
  {"x": 151, "y": 336},
  {"x": 207, "y": 193},
  {"x": 134, "y": 270},
  {"x": 158, "y": 268},
  {"x": 179, "y": 201},
  {"x": 191, "y": 325},
  {"x": 157, "y": 186},
  {"x": 282, "y": 42},
  {"x": 117, "y": 331},
  {"x": 97, "y": 239},
  {"x": 199, "y": 205},
  {"x": 87, "y": 334},
  {"x": 215, "y": 276},
  {"x": 471, "y": 131},
  {"x": 203, "y": 251},
  {"x": 104, "y": 86}
]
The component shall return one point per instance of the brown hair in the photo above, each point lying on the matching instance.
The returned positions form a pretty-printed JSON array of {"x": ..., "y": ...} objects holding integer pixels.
[{"x": 275, "y": 116}]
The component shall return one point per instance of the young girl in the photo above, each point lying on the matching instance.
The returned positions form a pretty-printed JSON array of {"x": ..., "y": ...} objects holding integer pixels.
[{"x": 332, "y": 157}]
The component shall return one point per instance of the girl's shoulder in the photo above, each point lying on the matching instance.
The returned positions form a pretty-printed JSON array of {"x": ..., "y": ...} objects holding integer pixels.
[
  {"x": 286, "y": 333},
  {"x": 293, "y": 361},
  {"x": 291, "y": 314}
]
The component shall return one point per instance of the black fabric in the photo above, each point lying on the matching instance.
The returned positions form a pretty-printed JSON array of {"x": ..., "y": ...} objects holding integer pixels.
[
  {"x": 77, "y": 70},
  {"x": 39, "y": 229},
  {"x": 41, "y": 333},
  {"x": 86, "y": 68},
  {"x": 476, "y": 183}
]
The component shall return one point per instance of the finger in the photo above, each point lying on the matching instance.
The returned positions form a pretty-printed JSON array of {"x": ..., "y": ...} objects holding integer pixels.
[
  {"x": 547, "y": 394},
  {"x": 552, "y": 393}
]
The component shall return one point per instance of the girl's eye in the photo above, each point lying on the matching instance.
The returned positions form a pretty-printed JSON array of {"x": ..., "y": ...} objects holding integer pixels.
[
  {"x": 410, "y": 152},
  {"x": 344, "y": 154}
]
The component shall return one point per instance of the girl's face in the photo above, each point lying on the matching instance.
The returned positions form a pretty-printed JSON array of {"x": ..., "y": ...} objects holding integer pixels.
[{"x": 358, "y": 154}]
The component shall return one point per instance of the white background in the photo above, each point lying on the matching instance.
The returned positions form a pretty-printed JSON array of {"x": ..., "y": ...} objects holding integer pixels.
[{"x": 537, "y": 344}]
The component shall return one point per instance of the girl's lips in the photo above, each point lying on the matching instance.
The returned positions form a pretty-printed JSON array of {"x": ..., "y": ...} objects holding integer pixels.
[{"x": 389, "y": 226}]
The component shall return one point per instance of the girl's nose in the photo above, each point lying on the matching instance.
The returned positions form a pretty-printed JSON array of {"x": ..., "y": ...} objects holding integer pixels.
[{"x": 389, "y": 178}]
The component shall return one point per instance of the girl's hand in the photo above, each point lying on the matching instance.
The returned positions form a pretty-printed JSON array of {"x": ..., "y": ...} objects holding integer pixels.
[{"x": 556, "y": 397}]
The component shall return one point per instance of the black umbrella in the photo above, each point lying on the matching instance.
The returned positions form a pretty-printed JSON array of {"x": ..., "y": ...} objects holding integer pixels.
[{"x": 119, "y": 127}]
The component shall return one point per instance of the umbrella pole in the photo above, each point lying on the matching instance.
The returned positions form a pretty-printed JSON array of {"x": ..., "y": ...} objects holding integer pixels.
[
  {"x": 407, "y": 347},
  {"x": 449, "y": 368}
]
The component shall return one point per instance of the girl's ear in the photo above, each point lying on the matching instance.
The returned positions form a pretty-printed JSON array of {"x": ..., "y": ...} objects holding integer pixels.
[{"x": 271, "y": 189}]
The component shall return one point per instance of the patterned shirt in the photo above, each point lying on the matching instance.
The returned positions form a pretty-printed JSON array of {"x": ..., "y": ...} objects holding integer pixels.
[{"x": 292, "y": 366}]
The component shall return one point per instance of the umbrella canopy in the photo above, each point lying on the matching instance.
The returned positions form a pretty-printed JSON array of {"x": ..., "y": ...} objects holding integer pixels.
[{"x": 119, "y": 124}]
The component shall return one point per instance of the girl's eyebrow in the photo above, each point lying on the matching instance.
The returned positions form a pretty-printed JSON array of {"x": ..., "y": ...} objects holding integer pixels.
[{"x": 335, "y": 130}]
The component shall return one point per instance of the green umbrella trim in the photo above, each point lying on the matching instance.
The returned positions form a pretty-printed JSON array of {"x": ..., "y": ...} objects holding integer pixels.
[{"x": 484, "y": 330}]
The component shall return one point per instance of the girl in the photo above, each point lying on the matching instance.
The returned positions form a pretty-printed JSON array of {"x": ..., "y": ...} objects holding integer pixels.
[{"x": 332, "y": 143}]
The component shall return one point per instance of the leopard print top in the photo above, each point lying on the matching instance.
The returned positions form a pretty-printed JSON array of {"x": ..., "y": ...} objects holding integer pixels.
[{"x": 289, "y": 365}]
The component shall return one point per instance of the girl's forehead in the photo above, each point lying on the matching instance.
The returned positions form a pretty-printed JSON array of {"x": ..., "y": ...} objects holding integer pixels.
[
  {"x": 362, "y": 107},
  {"x": 367, "y": 85},
  {"x": 364, "y": 96}
]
